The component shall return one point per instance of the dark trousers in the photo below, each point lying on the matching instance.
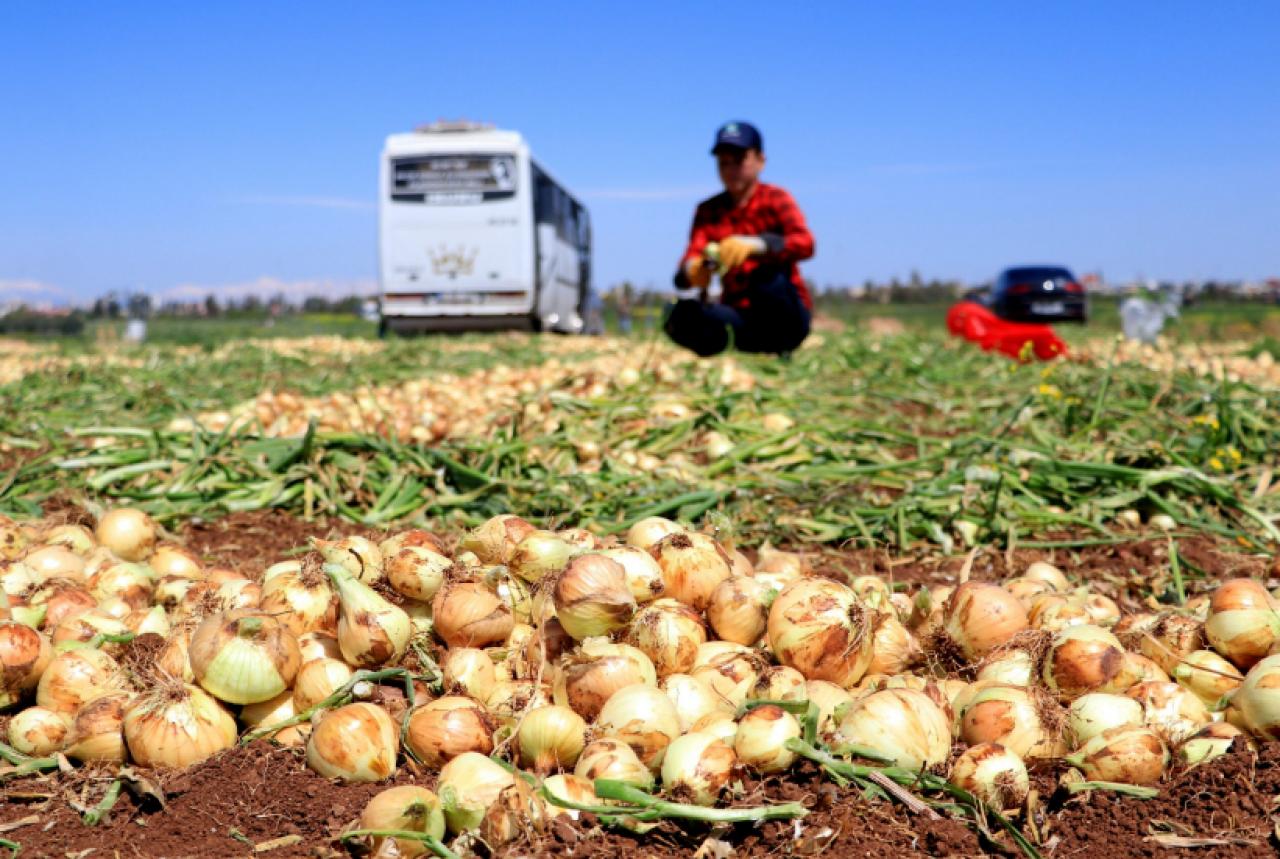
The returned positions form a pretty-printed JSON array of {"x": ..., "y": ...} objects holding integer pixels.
[{"x": 776, "y": 321}]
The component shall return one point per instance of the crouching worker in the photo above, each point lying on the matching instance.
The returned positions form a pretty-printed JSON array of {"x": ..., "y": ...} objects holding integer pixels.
[{"x": 753, "y": 234}]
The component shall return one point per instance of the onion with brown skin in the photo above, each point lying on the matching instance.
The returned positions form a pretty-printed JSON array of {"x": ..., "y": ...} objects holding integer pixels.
[
  {"x": 669, "y": 633},
  {"x": 738, "y": 610},
  {"x": 588, "y": 677},
  {"x": 496, "y": 541},
  {"x": 24, "y": 656},
  {"x": 1084, "y": 659},
  {"x": 470, "y": 614},
  {"x": 819, "y": 627},
  {"x": 992, "y": 773},
  {"x": 303, "y": 601},
  {"x": 355, "y": 743},
  {"x": 979, "y": 617},
  {"x": 693, "y": 565},
  {"x": 592, "y": 597},
  {"x": 1130, "y": 754},
  {"x": 1243, "y": 624},
  {"x": 97, "y": 731},
  {"x": 445, "y": 728}
]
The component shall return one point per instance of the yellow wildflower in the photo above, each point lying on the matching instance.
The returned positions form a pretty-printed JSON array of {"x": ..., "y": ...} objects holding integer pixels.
[{"x": 1047, "y": 390}]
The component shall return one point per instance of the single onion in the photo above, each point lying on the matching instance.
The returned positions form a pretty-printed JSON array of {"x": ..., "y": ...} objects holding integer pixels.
[
  {"x": 76, "y": 677},
  {"x": 1055, "y": 612},
  {"x": 416, "y": 572},
  {"x": 893, "y": 648},
  {"x": 1207, "y": 675},
  {"x": 24, "y": 656},
  {"x": 317, "y": 680},
  {"x": 833, "y": 702},
  {"x": 405, "y": 808},
  {"x": 54, "y": 562},
  {"x": 903, "y": 725},
  {"x": 612, "y": 759},
  {"x": 446, "y": 728},
  {"x": 1014, "y": 717},
  {"x": 761, "y": 739},
  {"x": 550, "y": 738},
  {"x": 648, "y": 531},
  {"x": 979, "y": 617},
  {"x": 771, "y": 560},
  {"x": 1042, "y": 571},
  {"x": 411, "y": 537},
  {"x": 61, "y": 599},
  {"x": 496, "y": 541},
  {"x": 318, "y": 645},
  {"x": 1170, "y": 638},
  {"x": 1243, "y": 624},
  {"x": 518, "y": 811},
  {"x": 993, "y": 774},
  {"x": 1026, "y": 590},
  {"x": 644, "y": 718},
  {"x": 1258, "y": 699},
  {"x": 697, "y": 768},
  {"x": 243, "y": 657},
  {"x": 570, "y": 788},
  {"x": 1171, "y": 711},
  {"x": 738, "y": 610},
  {"x": 539, "y": 554},
  {"x": 273, "y": 713},
  {"x": 359, "y": 556},
  {"x": 303, "y": 601},
  {"x": 591, "y": 596},
  {"x": 580, "y": 539},
  {"x": 511, "y": 698},
  {"x": 818, "y": 627},
  {"x": 129, "y": 534},
  {"x": 732, "y": 672},
  {"x": 1211, "y": 741},
  {"x": 371, "y": 631},
  {"x": 358, "y": 742},
  {"x": 779, "y": 683},
  {"x": 1011, "y": 666},
  {"x": 693, "y": 699},
  {"x": 589, "y": 676},
  {"x": 468, "y": 785},
  {"x": 643, "y": 575},
  {"x": 176, "y": 725},
  {"x": 77, "y": 538},
  {"x": 97, "y": 731},
  {"x": 669, "y": 633},
  {"x": 469, "y": 670},
  {"x": 1091, "y": 714},
  {"x": 1130, "y": 754},
  {"x": 170, "y": 560},
  {"x": 84, "y": 627},
  {"x": 38, "y": 731},
  {"x": 470, "y": 614},
  {"x": 719, "y": 725},
  {"x": 1084, "y": 659},
  {"x": 693, "y": 565},
  {"x": 134, "y": 583}
]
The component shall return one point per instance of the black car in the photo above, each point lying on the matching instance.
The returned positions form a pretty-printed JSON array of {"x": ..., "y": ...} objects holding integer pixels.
[{"x": 1038, "y": 293}]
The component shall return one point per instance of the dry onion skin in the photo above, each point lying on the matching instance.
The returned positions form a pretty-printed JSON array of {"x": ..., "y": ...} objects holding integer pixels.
[
  {"x": 693, "y": 565},
  {"x": 1129, "y": 754},
  {"x": 447, "y": 727},
  {"x": 979, "y": 617},
  {"x": 644, "y": 718}
]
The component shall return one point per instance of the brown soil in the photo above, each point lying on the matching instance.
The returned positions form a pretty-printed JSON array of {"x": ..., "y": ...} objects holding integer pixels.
[{"x": 253, "y": 795}]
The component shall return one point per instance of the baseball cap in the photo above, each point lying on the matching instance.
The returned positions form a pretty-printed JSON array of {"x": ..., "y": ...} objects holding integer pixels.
[{"x": 740, "y": 135}]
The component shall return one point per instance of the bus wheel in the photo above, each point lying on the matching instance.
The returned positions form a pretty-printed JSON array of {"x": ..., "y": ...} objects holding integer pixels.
[
  {"x": 535, "y": 323},
  {"x": 382, "y": 328}
]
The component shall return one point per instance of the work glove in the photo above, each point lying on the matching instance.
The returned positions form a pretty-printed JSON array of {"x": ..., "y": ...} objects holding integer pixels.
[
  {"x": 699, "y": 271},
  {"x": 735, "y": 250}
]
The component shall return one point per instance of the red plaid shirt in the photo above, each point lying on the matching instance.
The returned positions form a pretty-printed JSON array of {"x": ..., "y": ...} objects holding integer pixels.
[{"x": 770, "y": 213}]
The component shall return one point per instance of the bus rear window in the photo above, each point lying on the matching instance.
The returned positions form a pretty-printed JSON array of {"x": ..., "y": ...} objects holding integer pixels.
[{"x": 453, "y": 179}]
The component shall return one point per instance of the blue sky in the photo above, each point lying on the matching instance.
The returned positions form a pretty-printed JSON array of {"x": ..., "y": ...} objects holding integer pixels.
[{"x": 152, "y": 146}]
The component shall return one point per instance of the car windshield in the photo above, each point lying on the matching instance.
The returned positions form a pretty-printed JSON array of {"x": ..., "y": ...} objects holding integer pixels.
[{"x": 1038, "y": 275}]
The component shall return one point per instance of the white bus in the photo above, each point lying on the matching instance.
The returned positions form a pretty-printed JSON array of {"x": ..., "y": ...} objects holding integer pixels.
[{"x": 475, "y": 234}]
